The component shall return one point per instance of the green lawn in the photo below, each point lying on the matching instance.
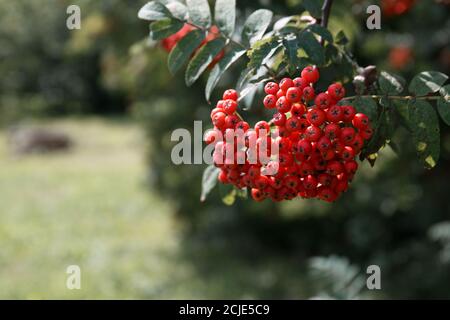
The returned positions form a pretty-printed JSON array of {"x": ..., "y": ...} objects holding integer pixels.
[{"x": 87, "y": 207}]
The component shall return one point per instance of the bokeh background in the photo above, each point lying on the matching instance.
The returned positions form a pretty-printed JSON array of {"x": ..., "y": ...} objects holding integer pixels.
[{"x": 111, "y": 201}]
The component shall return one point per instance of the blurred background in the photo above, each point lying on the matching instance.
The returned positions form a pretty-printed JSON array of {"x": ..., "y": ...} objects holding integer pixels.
[{"x": 86, "y": 177}]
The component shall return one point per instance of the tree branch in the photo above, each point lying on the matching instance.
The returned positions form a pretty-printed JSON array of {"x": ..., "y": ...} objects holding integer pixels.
[{"x": 326, "y": 9}]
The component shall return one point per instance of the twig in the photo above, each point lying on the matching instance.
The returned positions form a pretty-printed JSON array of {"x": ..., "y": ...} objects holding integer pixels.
[
  {"x": 326, "y": 9},
  {"x": 393, "y": 97}
]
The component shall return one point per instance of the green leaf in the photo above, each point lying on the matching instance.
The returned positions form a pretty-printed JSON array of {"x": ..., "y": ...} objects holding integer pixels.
[
  {"x": 367, "y": 106},
  {"x": 291, "y": 46},
  {"x": 321, "y": 31},
  {"x": 443, "y": 108},
  {"x": 390, "y": 84},
  {"x": 225, "y": 16},
  {"x": 312, "y": 47},
  {"x": 202, "y": 59},
  {"x": 256, "y": 25},
  {"x": 165, "y": 28},
  {"x": 341, "y": 38},
  {"x": 262, "y": 50},
  {"x": 178, "y": 10},
  {"x": 199, "y": 12},
  {"x": 426, "y": 132},
  {"x": 314, "y": 7},
  {"x": 445, "y": 92},
  {"x": 181, "y": 53},
  {"x": 209, "y": 181},
  {"x": 216, "y": 73},
  {"x": 384, "y": 127},
  {"x": 427, "y": 82},
  {"x": 153, "y": 11}
]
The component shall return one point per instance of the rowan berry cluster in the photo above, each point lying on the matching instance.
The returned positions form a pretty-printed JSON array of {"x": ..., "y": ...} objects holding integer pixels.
[{"x": 317, "y": 141}]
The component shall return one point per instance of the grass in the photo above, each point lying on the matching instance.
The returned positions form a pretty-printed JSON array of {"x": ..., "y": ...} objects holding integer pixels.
[
  {"x": 87, "y": 207},
  {"x": 90, "y": 207}
]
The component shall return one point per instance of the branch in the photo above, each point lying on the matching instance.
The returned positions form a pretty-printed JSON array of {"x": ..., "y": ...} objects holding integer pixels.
[
  {"x": 393, "y": 97},
  {"x": 326, "y": 9}
]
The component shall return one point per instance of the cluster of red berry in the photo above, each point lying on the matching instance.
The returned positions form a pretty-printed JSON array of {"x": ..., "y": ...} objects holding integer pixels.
[{"x": 317, "y": 141}]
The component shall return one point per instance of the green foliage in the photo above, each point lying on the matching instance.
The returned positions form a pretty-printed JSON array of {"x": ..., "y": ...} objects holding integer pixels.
[
  {"x": 209, "y": 180},
  {"x": 164, "y": 28},
  {"x": 427, "y": 82},
  {"x": 184, "y": 49},
  {"x": 425, "y": 132},
  {"x": 225, "y": 16},
  {"x": 202, "y": 59}
]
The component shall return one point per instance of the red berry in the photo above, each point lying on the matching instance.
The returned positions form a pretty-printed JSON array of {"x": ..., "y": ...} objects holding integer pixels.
[
  {"x": 308, "y": 94},
  {"x": 304, "y": 147},
  {"x": 286, "y": 83},
  {"x": 324, "y": 144},
  {"x": 231, "y": 121},
  {"x": 300, "y": 83},
  {"x": 348, "y": 135},
  {"x": 293, "y": 95},
  {"x": 326, "y": 194},
  {"x": 293, "y": 124},
  {"x": 283, "y": 105},
  {"x": 219, "y": 119},
  {"x": 322, "y": 101},
  {"x": 298, "y": 109},
  {"x": 313, "y": 133},
  {"x": 310, "y": 74},
  {"x": 242, "y": 125},
  {"x": 336, "y": 92},
  {"x": 334, "y": 168},
  {"x": 347, "y": 153},
  {"x": 366, "y": 133},
  {"x": 257, "y": 195},
  {"x": 279, "y": 119},
  {"x": 316, "y": 117},
  {"x": 280, "y": 94},
  {"x": 271, "y": 88},
  {"x": 349, "y": 113},
  {"x": 229, "y": 106},
  {"x": 310, "y": 182},
  {"x": 230, "y": 94},
  {"x": 270, "y": 101},
  {"x": 262, "y": 127},
  {"x": 335, "y": 114},
  {"x": 360, "y": 121},
  {"x": 351, "y": 167},
  {"x": 332, "y": 130}
]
